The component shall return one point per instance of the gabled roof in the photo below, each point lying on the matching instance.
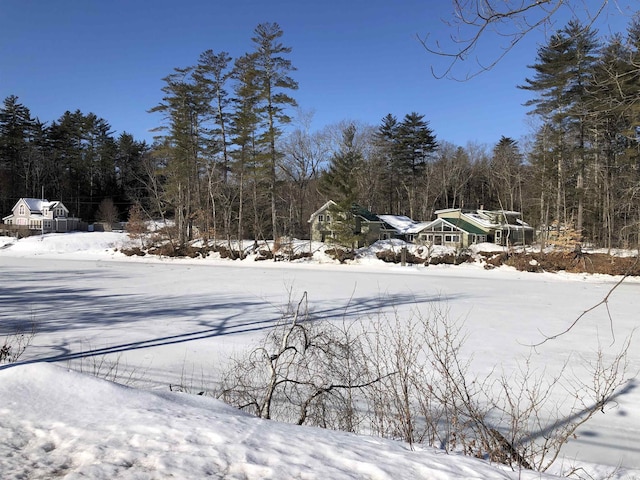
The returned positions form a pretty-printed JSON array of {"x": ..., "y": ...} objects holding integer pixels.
[
  {"x": 33, "y": 204},
  {"x": 355, "y": 209},
  {"x": 321, "y": 210},
  {"x": 39, "y": 204},
  {"x": 454, "y": 223},
  {"x": 462, "y": 224},
  {"x": 418, "y": 227}
]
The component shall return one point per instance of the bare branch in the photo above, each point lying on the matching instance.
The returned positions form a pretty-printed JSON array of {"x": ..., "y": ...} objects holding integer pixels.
[{"x": 510, "y": 20}]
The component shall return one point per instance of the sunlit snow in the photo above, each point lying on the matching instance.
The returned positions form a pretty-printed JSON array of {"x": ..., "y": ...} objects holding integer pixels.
[{"x": 175, "y": 322}]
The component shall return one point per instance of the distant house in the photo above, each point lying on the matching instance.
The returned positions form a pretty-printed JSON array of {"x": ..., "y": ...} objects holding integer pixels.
[
  {"x": 501, "y": 227},
  {"x": 41, "y": 215},
  {"x": 453, "y": 227},
  {"x": 322, "y": 224}
]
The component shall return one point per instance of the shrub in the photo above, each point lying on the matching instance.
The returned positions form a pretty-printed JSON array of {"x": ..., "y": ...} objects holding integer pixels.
[{"x": 406, "y": 379}]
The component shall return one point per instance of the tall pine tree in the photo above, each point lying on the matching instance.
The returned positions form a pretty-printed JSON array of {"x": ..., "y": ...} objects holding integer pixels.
[{"x": 273, "y": 76}]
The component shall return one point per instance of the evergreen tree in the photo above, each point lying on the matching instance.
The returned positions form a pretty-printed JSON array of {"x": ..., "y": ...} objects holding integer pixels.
[
  {"x": 386, "y": 137},
  {"x": 185, "y": 108},
  {"x": 339, "y": 183},
  {"x": 129, "y": 168},
  {"x": 15, "y": 126},
  {"x": 416, "y": 144},
  {"x": 245, "y": 123},
  {"x": 214, "y": 73},
  {"x": 506, "y": 174},
  {"x": 273, "y": 76},
  {"x": 406, "y": 147},
  {"x": 83, "y": 161},
  {"x": 562, "y": 81}
]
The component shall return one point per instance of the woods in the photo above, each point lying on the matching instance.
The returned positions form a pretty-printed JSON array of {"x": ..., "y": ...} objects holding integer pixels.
[{"x": 233, "y": 159}]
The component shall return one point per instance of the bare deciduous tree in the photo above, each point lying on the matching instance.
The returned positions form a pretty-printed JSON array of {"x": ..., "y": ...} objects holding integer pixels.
[{"x": 472, "y": 21}]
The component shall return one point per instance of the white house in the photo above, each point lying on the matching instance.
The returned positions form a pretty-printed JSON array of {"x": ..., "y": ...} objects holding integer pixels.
[{"x": 41, "y": 215}]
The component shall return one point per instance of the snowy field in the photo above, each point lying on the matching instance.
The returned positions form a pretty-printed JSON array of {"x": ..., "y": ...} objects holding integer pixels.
[{"x": 168, "y": 322}]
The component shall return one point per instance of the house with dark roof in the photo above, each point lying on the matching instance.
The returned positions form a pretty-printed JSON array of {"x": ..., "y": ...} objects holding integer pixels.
[
  {"x": 322, "y": 222},
  {"x": 41, "y": 215}
]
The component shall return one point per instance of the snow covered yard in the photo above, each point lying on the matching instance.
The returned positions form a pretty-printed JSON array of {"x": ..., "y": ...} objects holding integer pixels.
[{"x": 175, "y": 322}]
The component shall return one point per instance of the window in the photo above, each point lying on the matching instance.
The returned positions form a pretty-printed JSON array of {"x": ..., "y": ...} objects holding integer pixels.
[
  {"x": 321, "y": 218},
  {"x": 328, "y": 218},
  {"x": 452, "y": 238},
  {"x": 21, "y": 210}
]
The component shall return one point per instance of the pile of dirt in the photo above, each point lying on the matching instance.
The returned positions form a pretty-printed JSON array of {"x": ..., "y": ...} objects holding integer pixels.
[{"x": 565, "y": 261}]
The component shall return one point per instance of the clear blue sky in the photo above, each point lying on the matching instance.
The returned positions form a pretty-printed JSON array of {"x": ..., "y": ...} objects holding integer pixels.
[{"x": 356, "y": 60}]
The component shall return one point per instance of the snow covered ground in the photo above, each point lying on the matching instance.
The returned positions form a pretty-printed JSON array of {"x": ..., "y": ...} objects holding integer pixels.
[{"x": 174, "y": 322}]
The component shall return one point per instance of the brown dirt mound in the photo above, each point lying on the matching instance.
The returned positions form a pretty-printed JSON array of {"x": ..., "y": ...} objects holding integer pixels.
[{"x": 568, "y": 262}]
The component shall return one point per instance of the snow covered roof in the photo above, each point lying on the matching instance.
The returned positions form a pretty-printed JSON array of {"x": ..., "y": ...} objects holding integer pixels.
[
  {"x": 481, "y": 219},
  {"x": 398, "y": 222},
  {"x": 38, "y": 204},
  {"x": 419, "y": 226}
]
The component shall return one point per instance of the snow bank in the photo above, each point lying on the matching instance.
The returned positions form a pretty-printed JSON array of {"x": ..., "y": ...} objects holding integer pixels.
[
  {"x": 61, "y": 423},
  {"x": 76, "y": 243}
]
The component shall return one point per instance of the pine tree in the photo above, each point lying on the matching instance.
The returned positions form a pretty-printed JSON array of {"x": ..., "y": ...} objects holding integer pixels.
[
  {"x": 562, "y": 80},
  {"x": 185, "y": 107},
  {"x": 15, "y": 125},
  {"x": 245, "y": 122},
  {"x": 386, "y": 138},
  {"x": 339, "y": 184},
  {"x": 506, "y": 174},
  {"x": 213, "y": 73},
  {"x": 416, "y": 144},
  {"x": 274, "y": 81}
]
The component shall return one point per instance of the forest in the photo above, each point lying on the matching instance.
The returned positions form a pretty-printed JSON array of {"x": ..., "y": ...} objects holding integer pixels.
[{"x": 230, "y": 161}]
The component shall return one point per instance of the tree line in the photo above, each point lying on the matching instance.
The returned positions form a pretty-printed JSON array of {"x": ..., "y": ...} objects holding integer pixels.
[
  {"x": 76, "y": 159},
  {"x": 230, "y": 161}
]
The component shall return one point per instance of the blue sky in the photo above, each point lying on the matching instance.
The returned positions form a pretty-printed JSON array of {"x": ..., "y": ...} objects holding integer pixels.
[{"x": 356, "y": 60}]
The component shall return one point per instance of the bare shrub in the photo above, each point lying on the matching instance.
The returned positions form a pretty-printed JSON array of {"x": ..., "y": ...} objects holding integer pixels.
[
  {"x": 107, "y": 367},
  {"x": 136, "y": 225},
  {"x": 107, "y": 213},
  {"x": 305, "y": 372},
  {"x": 408, "y": 379},
  {"x": 13, "y": 346}
]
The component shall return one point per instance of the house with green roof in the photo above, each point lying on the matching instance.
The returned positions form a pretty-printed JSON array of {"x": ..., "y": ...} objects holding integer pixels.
[{"x": 455, "y": 227}]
